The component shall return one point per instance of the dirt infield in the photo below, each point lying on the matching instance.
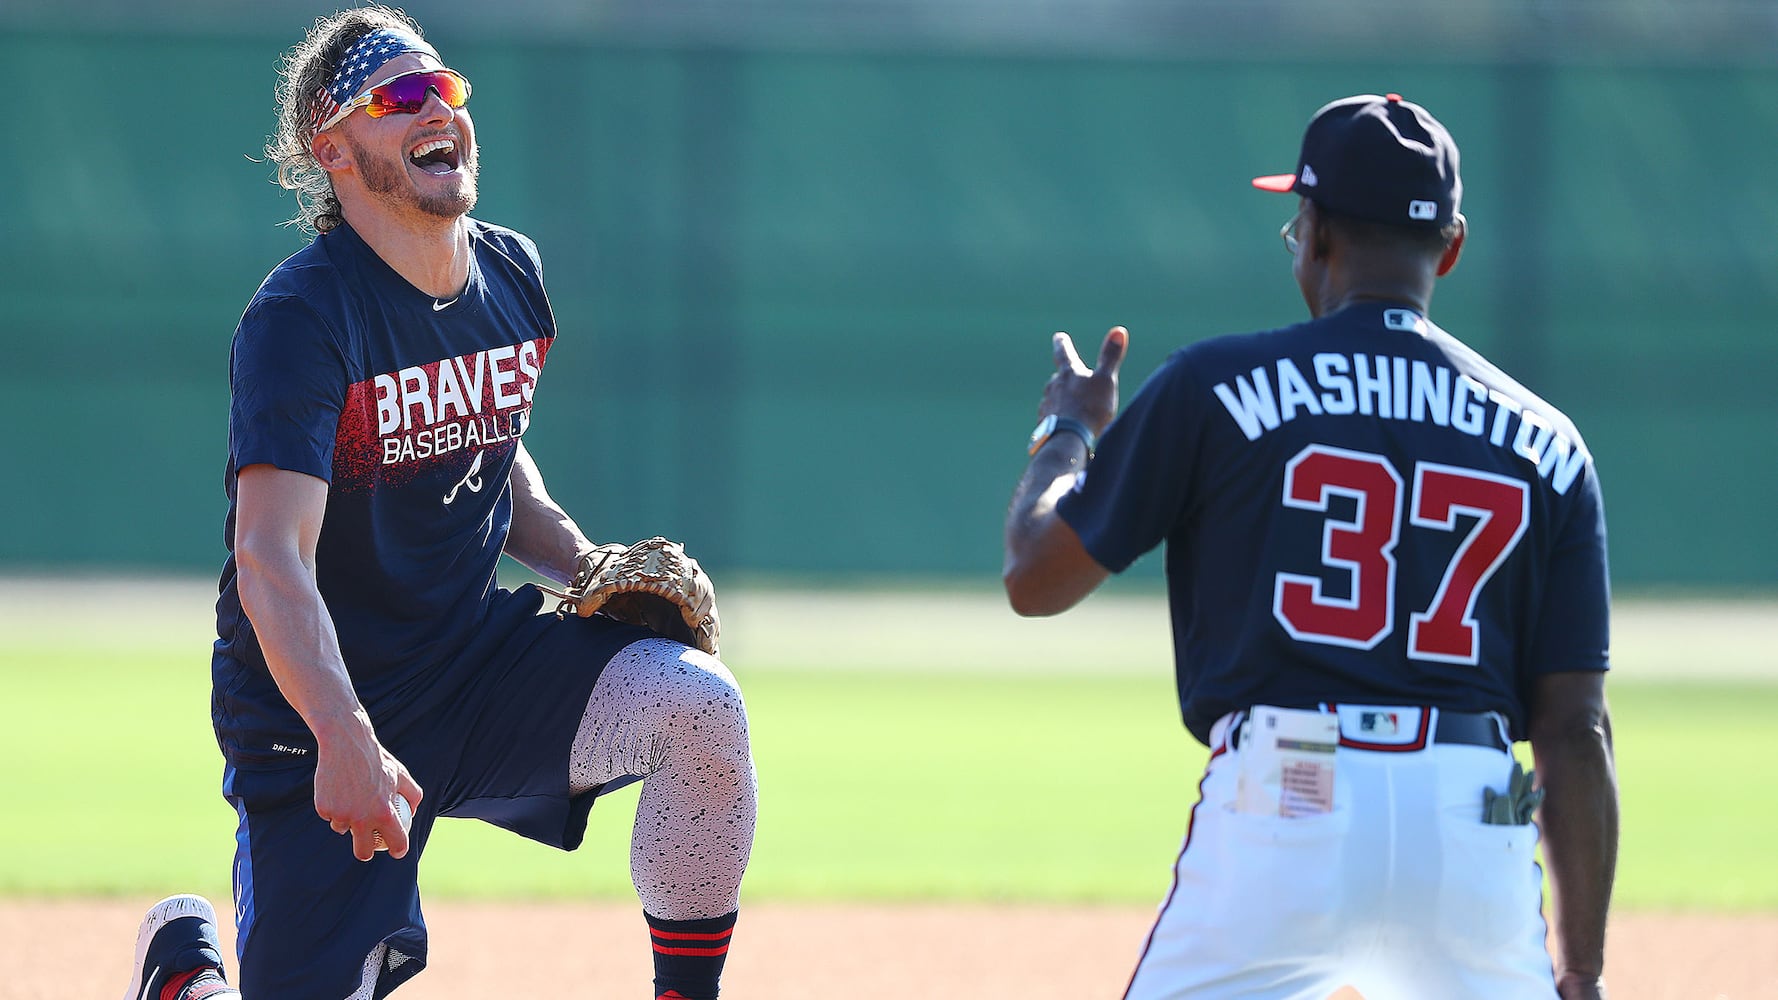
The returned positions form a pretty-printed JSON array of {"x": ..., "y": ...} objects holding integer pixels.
[{"x": 62, "y": 949}]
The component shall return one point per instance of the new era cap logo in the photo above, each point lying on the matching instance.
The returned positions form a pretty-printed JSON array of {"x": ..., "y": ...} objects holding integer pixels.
[
  {"x": 1424, "y": 210},
  {"x": 1308, "y": 178}
]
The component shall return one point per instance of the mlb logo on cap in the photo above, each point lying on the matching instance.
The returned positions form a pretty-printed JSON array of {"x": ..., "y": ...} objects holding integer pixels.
[{"x": 1377, "y": 158}]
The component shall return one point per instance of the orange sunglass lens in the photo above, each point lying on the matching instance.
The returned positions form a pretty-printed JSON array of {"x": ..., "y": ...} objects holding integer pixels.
[{"x": 407, "y": 94}]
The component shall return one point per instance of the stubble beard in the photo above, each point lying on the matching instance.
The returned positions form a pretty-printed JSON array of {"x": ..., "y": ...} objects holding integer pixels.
[{"x": 388, "y": 178}]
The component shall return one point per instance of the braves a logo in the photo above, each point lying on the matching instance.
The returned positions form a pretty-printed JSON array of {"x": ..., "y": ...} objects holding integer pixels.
[{"x": 472, "y": 479}]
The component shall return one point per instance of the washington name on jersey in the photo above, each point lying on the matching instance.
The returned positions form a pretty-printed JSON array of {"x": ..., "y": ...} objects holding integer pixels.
[{"x": 1396, "y": 388}]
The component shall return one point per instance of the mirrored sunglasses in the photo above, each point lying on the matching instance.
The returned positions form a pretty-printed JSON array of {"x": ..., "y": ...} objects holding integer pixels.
[{"x": 405, "y": 93}]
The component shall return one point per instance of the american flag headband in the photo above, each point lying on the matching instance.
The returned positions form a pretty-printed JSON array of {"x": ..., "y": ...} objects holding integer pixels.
[{"x": 366, "y": 56}]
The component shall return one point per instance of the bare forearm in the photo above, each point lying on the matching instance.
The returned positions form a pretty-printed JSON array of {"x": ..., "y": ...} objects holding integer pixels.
[
  {"x": 545, "y": 539},
  {"x": 1046, "y": 569},
  {"x": 1579, "y": 822},
  {"x": 543, "y": 536},
  {"x": 301, "y": 648},
  {"x": 1049, "y": 475}
]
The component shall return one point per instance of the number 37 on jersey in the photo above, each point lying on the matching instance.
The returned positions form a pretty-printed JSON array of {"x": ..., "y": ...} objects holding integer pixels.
[{"x": 1495, "y": 510}]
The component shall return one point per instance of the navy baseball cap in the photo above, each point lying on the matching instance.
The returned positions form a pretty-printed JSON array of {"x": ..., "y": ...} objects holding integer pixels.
[{"x": 1377, "y": 158}]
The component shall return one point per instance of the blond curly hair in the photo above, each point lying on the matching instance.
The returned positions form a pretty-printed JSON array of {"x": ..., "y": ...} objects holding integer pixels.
[{"x": 304, "y": 73}]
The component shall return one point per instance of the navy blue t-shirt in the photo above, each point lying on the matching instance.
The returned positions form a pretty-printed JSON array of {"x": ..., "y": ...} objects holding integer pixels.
[
  {"x": 411, "y": 409},
  {"x": 1357, "y": 509}
]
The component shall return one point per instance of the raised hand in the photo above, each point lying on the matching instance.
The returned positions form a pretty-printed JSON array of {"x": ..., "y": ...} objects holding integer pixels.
[{"x": 1086, "y": 394}]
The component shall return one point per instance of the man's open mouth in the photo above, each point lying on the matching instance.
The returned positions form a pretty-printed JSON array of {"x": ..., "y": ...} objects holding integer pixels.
[{"x": 436, "y": 156}]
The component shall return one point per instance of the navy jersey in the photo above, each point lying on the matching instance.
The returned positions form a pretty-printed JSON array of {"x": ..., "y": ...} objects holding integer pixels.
[
  {"x": 1358, "y": 508},
  {"x": 411, "y": 409}
]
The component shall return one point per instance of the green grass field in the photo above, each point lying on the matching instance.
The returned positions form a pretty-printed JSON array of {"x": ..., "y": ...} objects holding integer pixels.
[{"x": 1034, "y": 776}]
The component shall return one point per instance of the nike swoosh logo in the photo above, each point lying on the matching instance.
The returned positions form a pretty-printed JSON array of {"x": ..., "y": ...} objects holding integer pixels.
[
  {"x": 148, "y": 984},
  {"x": 438, "y": 306}
]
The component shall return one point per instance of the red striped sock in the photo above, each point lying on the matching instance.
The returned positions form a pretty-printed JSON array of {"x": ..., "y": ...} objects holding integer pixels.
[
  {"x": 688, "y": 955},
  {"x": 198, "y": 984}
]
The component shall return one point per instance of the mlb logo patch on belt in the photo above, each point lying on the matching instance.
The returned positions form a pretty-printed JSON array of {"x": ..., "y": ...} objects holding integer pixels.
[
  {"x": 1373, "y": 724},
  {"x": 1383, "y": 727}
]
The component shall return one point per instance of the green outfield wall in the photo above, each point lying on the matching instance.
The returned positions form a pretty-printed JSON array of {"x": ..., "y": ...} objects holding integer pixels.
[{"x": 805, "y": 296}]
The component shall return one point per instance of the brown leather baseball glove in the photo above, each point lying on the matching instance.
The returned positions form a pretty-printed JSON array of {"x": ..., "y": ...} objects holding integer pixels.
[{"x": 652, "y": 583}]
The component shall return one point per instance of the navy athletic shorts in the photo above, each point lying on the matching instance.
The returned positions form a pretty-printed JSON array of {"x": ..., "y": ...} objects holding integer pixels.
[{"x": 490, "y": 741}]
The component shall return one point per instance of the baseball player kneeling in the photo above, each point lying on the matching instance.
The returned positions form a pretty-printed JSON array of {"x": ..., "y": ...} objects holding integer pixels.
[{"x": 370, "y": 675}]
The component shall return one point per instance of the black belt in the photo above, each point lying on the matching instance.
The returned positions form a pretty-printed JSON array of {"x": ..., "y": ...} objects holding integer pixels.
[{"x": 1476, "y": 729}]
